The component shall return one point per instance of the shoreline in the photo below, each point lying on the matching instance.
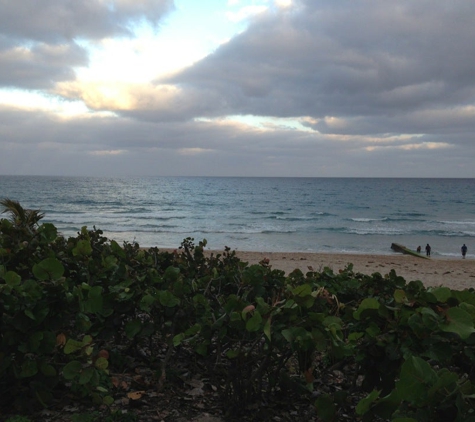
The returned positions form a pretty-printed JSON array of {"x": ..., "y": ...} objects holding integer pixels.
[{"x": 455, "y": 273}]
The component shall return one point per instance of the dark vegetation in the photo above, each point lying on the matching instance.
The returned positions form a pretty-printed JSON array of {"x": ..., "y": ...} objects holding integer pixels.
[{"x": 95, "y": 331}]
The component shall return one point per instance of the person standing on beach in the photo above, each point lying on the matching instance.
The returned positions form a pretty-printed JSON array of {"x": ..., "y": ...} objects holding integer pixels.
[
  {"x": 428, "y": 248},
  {"x": 464, "y": 250}
]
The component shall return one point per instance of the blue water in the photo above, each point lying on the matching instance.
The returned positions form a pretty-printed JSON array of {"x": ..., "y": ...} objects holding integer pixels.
[{"x": 267, "y": 214}]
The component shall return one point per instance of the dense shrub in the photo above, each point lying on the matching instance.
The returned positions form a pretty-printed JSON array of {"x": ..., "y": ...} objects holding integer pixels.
[{"x": 73, "y": 310}]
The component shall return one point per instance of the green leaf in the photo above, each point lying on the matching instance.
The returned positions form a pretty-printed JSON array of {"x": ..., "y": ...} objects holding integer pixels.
[
  {"x": 48, "y": 269},
  {"x": 108, "y": 400},
  {"x": 146, "y": 302},
  {"x": 48, "y": 370},
  {"x": 233, "y": 353},
  {"x": 168, "y": 299},
  {"x": 86, "y": 375},
  {"x": 29, "y": 314},
  {"x": 459, "y": 322},
  {"x": 72, "y": 370},
  {"x": 94, "y": 303},
  {"x": 400, "y": 296},
  {"x": 87, "y": 339},
  {"x": 302, "y": 290},
  {"x": 116, "y": 248},
  {"x": 101, "y": 363},
  {"x": 365, "y": 305},
  {"x": 326, "y": 409},
  {"x": 364, "y": 405},
  {"x": 28, "y": 369},
  {"x": 83, "y": 248},
  {"x": 35, "y": 340},
  {"x": 132, "y": 328},
  {"x": 441, "y": 293},
  {"x": 267, "y": 329},
  {"x": 48, "y": 232},
  {"x": 288, "y": 335},
  {"x": 72, "y": 346},
  {"x": 171, "y": 274},
  {"x": 415, "y": 378},
  {"x": 12, "y": 278},
  {"x": 254, "y": 323},
  {"x": 178, "y": 339},
  {"x": 235, "y": 316}
]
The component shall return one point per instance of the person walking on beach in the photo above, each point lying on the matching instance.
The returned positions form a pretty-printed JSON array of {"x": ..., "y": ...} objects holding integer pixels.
[
  {"x": 428, "y": 248},
  {"x": 418, "y": 249},
  {"x": 464, "y": 250}
]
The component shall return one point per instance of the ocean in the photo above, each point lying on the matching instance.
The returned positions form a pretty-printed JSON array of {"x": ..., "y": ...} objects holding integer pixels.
[{"x": 334, "y": 215}]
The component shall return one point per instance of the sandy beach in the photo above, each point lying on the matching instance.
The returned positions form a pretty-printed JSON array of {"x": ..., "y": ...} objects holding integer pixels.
[{"x": 456, "y": 273}]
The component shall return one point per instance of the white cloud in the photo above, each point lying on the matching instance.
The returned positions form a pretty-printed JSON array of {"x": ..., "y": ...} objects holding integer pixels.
[
  {"x": 107, "y": 152},
  {"x": 246, "y": 13},
  {"x": 283, "y": 4}
]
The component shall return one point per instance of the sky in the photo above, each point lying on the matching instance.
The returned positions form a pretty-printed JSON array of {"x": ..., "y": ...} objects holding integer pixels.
[{"x": 294, "y": 88}]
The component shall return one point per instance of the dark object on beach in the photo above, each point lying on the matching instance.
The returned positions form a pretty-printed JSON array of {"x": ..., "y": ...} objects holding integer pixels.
[
  {"x": 396, "y": 247},
  {"x": 428, "y": 249}
]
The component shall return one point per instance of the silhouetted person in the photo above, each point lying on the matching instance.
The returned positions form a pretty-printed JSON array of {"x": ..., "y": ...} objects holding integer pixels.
[
  {"x": 464, "y": 250},
  {"x": 418, "y": 249},
  {"x": 428, "y": 248}
]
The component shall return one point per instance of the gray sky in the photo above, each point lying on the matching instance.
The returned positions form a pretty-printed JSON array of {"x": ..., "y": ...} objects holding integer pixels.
[{"x": 237, "y": 88}]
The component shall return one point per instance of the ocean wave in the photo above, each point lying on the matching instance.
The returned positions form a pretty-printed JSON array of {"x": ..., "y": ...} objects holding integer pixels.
[
  {"x": 410, "y": 214},
  {"x": 132, "y": 211},
  {"x": 367, "y": 220},
  {"x": 181, "y": 231},
  {"x": 458, "y": 222},
  {"x": 294, "y": 218},
  {"x": 379, "y": 231}
]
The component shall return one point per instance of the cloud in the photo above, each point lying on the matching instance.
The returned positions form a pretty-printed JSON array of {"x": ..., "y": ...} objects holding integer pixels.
[
  {"x": 53, "y": 21},
  {"x": 41, "y": 42},
  {"x": 309, "y": 88},
  {"x": 40, "y": 66},
  {"x": 351, "y": 59},
  {"x": 245, "y": 13}
]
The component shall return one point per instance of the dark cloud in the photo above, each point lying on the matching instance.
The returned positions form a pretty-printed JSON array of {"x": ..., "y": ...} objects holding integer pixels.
[
  {"x": 356, "y": 58},
  {"x": 57, "y": 21},
  {"x": 40, "y": 40},
  {"x": 40, "y": 67},
  {"x": 36, "y": 143}
]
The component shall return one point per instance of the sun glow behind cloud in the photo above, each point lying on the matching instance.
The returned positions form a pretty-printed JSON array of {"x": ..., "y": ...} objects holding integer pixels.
[
  {"x": 31, "y": 100},
  {"x": 264, "y": 123},
  {"x": 117, "y": 67}
]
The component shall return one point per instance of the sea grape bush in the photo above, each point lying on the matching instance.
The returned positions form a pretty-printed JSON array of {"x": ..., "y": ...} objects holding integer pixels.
[{"x": 75, "y": 310}]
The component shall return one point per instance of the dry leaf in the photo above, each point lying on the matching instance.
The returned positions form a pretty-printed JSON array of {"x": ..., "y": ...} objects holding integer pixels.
[
  {"x": 309, "y": 378},
  {"x": 103, "y": 354},
  {"x": 135, "y": 395},
  {"x": 60, "y": 339}
]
